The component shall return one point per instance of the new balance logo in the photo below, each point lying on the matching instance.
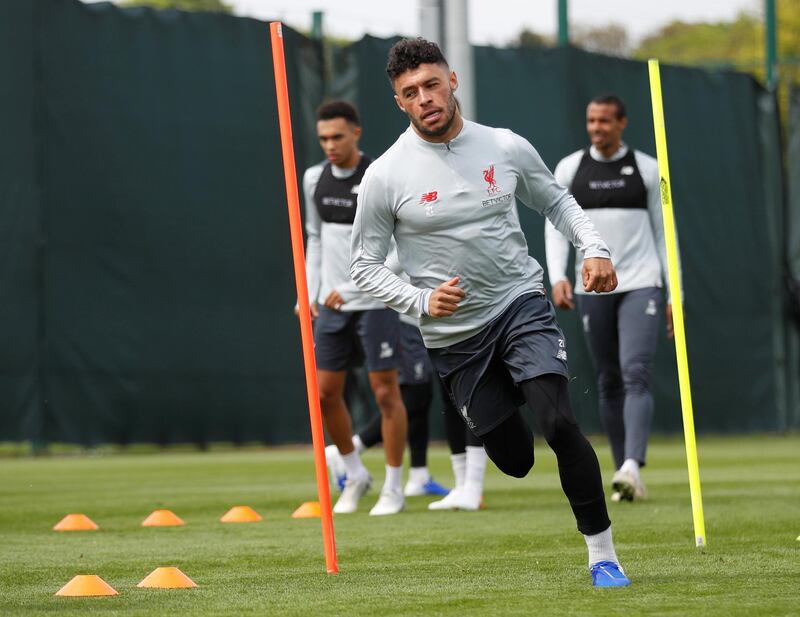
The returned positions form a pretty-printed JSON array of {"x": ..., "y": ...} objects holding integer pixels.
[{"x": 429, "y": 198}]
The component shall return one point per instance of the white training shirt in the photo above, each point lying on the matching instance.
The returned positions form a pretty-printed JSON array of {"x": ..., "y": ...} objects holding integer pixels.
[
  {"x": 635, "y": 237},
  {"x": 452, "y": 208},
  {"x": 328, "y": 250}
]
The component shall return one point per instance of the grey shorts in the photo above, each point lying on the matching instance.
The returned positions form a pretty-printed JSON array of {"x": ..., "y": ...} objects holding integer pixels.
[
  {"x": 482, "y": 373},
  {"x": 344, "y": 339},
  {"x": 415, "y": 365}
]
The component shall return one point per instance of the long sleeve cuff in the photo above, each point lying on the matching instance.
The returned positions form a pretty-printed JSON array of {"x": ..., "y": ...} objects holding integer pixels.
[{"x": 424, "y": 301}]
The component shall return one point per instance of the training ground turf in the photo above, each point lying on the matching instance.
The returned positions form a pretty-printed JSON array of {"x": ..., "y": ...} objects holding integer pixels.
[{"x": 521, "y": 555}]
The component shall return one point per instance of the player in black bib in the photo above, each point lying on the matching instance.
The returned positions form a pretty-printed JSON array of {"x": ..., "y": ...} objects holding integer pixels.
[
  {"x": 618, "y": 188},
  {"x": 350, "y": 326}
]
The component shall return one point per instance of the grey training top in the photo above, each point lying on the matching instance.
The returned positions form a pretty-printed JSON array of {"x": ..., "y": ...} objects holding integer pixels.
[
  {"x": 453, "y": 210},
  {"x": 635, "y": 237}
]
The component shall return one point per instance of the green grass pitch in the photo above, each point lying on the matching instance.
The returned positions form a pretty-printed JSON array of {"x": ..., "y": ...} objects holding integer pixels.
[{"x": 521, "y": 555}]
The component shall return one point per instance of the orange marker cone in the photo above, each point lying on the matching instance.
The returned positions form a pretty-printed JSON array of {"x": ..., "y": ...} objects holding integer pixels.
[
  {"x": 167, "y": 578},
  {"x": 241, "y": 514},
  {"x": 309, "y": 509},
  {"x": 75, "y": 522},
  {"x": 162, "y": 518},
  {"x": 87, "y": 585}
]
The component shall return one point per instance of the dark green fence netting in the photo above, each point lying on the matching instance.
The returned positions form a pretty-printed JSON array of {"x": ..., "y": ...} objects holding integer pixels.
[
  {"x": 20, "y": 225},
  {"x": 145, "y": 267},
  {"x": 150, "y": 238},
  {"x": 792, "y": 239}
]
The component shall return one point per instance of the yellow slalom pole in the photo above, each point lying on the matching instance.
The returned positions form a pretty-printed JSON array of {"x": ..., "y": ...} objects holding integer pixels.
[{"x": 677, "y": 305}]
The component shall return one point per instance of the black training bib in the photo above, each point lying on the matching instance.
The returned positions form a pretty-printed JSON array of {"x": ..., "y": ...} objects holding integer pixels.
[
  {"x": 336, "y": 197},
  {"x": 609, "y": 184}
]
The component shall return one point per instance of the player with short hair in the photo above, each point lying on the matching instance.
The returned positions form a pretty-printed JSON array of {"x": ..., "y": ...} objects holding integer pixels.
[
  {"x": 447, "y": 191},
  {"x": 618, "y": 188},
  {"x": 349, "y": 324}
]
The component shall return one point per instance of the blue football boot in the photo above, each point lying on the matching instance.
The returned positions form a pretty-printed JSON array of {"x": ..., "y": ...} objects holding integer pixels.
[{"x": 608, "y": 574}]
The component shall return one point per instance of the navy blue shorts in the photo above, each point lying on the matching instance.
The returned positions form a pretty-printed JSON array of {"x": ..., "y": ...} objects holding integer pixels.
[
  {"x": 344, "y": 339},
  {"x": 415, "y": 365},
  {"x": 482, "y": 373}
]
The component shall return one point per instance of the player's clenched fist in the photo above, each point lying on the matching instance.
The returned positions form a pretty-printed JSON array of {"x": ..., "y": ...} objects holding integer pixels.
[
  {"x": 445, "y": 298},
  {"x": 599, "y": 275}
]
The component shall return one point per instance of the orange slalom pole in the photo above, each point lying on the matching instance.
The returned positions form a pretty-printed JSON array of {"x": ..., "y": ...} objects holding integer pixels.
[{"x": 298, "y": 255}]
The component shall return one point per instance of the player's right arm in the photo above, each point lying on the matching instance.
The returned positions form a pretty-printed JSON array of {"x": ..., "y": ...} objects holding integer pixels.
[
  {"x": 313, "y": 233},
  {"x": 372, "y": 233}
]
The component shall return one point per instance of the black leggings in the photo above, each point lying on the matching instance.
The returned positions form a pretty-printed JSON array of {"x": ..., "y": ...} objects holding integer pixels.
[
  {"x": 510, "y": 446},
  {"x": 457, "y": 434}
]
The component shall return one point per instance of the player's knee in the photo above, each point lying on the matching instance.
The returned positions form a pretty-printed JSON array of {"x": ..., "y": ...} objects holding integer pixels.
[
  {"x": 517, "y": 464},
  {"x": 556, "y": 424},
  {"x": 610, "y": 384},
  {"x": 387, "y": 396},
  {"x": 637, "y": 377},
  {"x": 329, "y": 399},
  {"x": 512, "y": 453}
]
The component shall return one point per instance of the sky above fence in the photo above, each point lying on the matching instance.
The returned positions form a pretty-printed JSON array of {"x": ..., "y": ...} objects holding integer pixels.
[{"x": 496, "y": 22}]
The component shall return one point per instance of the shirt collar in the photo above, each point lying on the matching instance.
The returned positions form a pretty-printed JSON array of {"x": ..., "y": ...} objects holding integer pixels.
[
  {"x": 458, "y": 139},
  {"x": 595, "y": 154}
]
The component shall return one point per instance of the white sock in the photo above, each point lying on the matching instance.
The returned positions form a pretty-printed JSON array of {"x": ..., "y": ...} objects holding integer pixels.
[
  {"x": 476, "y": 468},
  {"x": 419, "y": 475},
  {"x": 601, "y": 547},
  {"x": 358, "y": 444},
  {"x": 394, "y": 478},
  {"x": 631, "y": 465},
  {"x": 459, "y": 462},
  {"x": 352, "y": 463}
]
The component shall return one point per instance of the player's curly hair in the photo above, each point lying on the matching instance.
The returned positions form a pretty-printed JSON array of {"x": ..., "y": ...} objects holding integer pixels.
[
  {"x": 338, "y": 109},
  {"x": 408, "y": 54}
]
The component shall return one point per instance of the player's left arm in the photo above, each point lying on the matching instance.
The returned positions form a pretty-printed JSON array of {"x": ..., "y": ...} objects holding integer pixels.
[{"x": 538, "y": 190}]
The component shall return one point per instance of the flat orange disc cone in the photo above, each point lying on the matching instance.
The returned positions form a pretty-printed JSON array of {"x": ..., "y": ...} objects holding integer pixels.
[
  {"x": 167, "y": 578},
  {"x": 309, "y": 509},
  {"x": 75, "y": 522},
  {"x": 87, "y": 585},
  {"x": 162, "y": 518},
  {"x": 241, "y": 514}
]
